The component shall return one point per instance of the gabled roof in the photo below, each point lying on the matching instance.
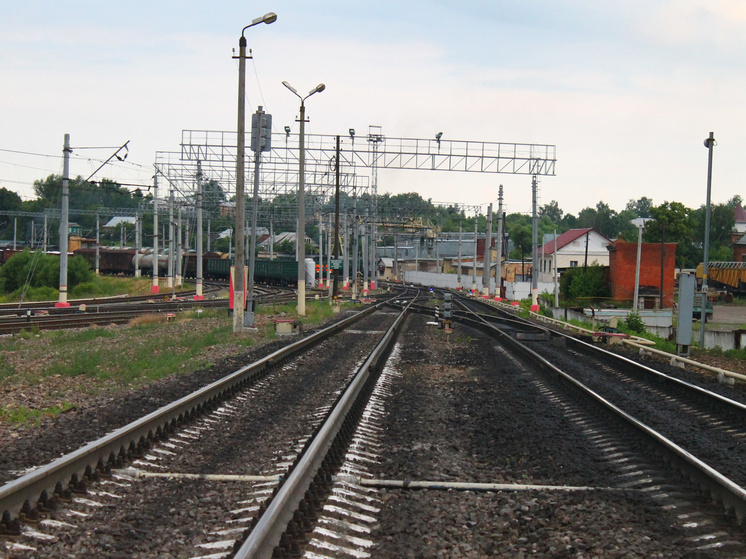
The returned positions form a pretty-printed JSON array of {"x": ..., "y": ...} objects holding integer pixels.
[
  {"x": 740, "y": 214},
  {"x": 116, "y": 221},
  {"x": 567, "y": 237}
]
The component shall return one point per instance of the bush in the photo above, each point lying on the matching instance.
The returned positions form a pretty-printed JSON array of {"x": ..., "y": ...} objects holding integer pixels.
[
  {"x": 41, "y": 270},
  {"x": 590, "y": 282},
  {"x": 634, "y": 323}
]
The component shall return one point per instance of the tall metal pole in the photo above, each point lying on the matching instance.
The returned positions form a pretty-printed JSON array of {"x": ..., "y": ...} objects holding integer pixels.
[
  {"x": 177, "y": 254},
  {"x": 249, "y": 316},
  {"x": 499, "y": 244},
  {"x": 64, "y": 223},
  {"x": 346, "y": 247},
  {"x": 460, "y": 231},
  {"x": 154, "y": 288},
  {"x": 198, "y": 296},
  {"x": 336, "y": 216},
  {"x": 709, "y": 144},
  {"x": 329, "y": 230},
  {"x": 637, "y": 267},
  {"x": 356, "y": 248},
  {"x": 137, "y": 245},
  {"x": 301, "y": 228},
  {"x": 171, "y": 255},
  {"x": 535, "y": 246},
  {"x": 321, "y": 250},
  {"x": 554, "y": 265},
  {"x": 474, "y": 263},
  {"x": 238, "y": 278},
  {"x": 98, "y": 243},
  {"x": 487, "y": 254}
]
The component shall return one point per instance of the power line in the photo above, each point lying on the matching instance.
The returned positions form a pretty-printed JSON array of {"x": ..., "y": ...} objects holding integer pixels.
[{"x": 30, "y": 153}]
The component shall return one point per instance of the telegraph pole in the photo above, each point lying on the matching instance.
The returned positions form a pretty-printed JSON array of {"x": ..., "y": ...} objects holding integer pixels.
[
  {"x": 198, "y": 296},
  {"x": 709, "y": 144},
  {"x": 64, "y": 223},
  {"x": 498, "y": 263},
  {"x": 154, "y": 288},
  {"x": 487, "y": 254}
]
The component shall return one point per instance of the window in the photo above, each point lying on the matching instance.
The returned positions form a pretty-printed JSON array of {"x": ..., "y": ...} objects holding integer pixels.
[{"x": 573, "y": 263}]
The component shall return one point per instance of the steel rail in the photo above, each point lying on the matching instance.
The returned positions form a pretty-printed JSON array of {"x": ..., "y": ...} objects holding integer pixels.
[
  {"x": 692, "y": 390},
  {"x": 266, "y": 534},
  {"x": 711, "y": 482},
  {"x": 131, "y": 439}
]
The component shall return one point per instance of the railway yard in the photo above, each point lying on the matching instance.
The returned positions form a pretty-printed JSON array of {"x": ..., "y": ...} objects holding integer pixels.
[{"x": 381, "y": 434}]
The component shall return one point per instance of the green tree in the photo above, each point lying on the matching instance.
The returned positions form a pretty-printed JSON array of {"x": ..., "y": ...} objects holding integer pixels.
[
  {"x": 722, "y": 222},
  {"x": 552, "y": 211},
  {"x": 675, "y": 223},
  {"x": 41, "y": 270},
  {"x": 641, "y": 207},
  {"x": 521, "y": 237},
  {"x": 585, "y": 282}
]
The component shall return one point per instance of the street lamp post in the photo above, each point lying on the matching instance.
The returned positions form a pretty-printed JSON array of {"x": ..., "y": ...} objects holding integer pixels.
[
  {"x": 640, "y": 224},
  {"x": 301, "y": 230},
  {"x": 709, "y": 144},
  {"x": 238, "y": 281}
]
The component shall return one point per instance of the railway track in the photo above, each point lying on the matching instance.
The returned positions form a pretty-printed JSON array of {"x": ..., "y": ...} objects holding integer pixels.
[
  {"x": 116, "y": 310},
  {"x": 468, "y": 445},
  {"x": 133, "y": 441},
  {"x": 663, "y": 411}
]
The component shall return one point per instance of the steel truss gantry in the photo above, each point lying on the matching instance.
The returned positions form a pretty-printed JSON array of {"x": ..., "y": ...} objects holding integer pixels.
[
  {"x": 385, "y": 153},
  {"x": 277, "y": 179}
]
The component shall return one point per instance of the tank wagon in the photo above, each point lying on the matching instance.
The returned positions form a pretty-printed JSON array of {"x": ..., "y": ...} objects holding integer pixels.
[{"x": 215, "y": 265}]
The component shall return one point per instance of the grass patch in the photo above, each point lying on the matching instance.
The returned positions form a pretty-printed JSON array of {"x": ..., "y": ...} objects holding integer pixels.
[
  {"x": 7, "y": 370},
  {"x": 60, "y": 337},
  {"x": 22, "y": 415}
]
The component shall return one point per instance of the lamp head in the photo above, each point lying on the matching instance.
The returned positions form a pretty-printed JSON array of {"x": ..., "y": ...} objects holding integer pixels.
[
  {"x": 287, "y": 131},
  {"x": 291, "y": 88},
  {"x": 352, "y": 132},
  {"x": 438, "y": 136},
  {"x": 268, "y": 18},
  {"x": 318, "y": 89}
]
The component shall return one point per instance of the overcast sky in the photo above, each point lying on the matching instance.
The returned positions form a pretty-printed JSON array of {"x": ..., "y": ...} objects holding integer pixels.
[{"x": 627, "y": 91}]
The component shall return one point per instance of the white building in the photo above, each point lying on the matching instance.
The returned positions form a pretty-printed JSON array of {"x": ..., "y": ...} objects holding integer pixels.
[{"x": 575, "y": 248}]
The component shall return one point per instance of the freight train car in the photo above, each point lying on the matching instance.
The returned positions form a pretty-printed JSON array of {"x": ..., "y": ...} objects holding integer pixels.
[
  {"x": 273, "y": 272},
  {"x": 730, "y": 276},
  {"x": 116, "y": 261},
  {"x": 215, "y": 265}
]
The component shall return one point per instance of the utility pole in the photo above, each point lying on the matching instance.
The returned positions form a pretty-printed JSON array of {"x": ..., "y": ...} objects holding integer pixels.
[
  {"x": 474, "y": 264},
  {"x": 238, "y": 276},
  {"x": 499, "y": 243},
  {"x": 709, "y": 144},
  {"x": 261, "y": 128},
  {"x": 98, "y": 243},
  {"x": 487, "y": 255},
  {"x": 535, "y": 248},
  {"x": 336, "y": 217},
  {"x": 459, "y": 256},
  {"x": 64, "y": 223},
  {"x": 356, "y": 247},
  {"x": 154, "y": 288},
  {"x": 171, "y": 256},
  {"x": 198, "y": 296}
]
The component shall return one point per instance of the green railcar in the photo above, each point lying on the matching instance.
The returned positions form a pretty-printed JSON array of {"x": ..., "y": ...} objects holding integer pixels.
[{"x": 274, "y": 272}]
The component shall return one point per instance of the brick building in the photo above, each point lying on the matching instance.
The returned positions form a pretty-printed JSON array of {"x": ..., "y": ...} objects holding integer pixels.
[{"x": 622, "y": 265}]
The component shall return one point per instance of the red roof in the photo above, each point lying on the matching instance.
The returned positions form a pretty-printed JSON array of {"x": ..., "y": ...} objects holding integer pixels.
[
  {"x": 740, "y": 214},
  {"x": 566, "y": 238}
]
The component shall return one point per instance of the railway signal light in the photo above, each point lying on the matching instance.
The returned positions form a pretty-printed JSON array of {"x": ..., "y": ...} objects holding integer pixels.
[{"x": 261, "y": 131}]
